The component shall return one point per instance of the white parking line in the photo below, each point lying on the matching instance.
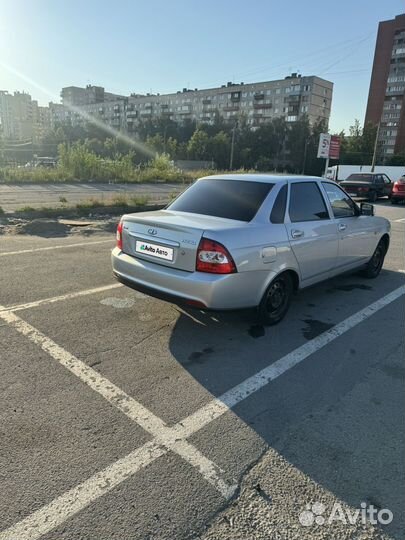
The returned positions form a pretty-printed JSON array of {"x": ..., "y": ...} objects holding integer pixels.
[
  {"x": 238, "y": 393},
  {"x": 53, "y": 299},
  {"x": 73, "y": 501},
  {"x": 129, "y": 406},
  {"x": 68, "y": 504},
  {"x": 59, "y": 246},
  {"x": 402, "y": 220}
]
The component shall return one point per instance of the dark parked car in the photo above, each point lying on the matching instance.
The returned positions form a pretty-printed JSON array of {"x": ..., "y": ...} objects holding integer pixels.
[
  {"x": 369, "y": 186},
  {"x": 398, "y": 191}
]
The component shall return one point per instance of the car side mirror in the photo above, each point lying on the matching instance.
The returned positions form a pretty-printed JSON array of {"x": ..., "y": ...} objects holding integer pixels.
[{"x": 366, "y": 209}]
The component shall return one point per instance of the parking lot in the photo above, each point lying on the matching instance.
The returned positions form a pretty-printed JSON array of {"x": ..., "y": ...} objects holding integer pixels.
[{"x": 123, "y": 417}]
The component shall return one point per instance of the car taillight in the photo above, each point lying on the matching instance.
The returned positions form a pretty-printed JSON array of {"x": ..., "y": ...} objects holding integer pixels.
[
  {"x": 363, "y": 189},
  {"x": 214, "y": 258},
  {"x": 398, "y": 186},
  {"x": 119, "y": 235}
]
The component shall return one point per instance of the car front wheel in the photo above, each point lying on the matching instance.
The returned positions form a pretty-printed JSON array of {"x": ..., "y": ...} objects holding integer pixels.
[{"x": 276, "y": 300}]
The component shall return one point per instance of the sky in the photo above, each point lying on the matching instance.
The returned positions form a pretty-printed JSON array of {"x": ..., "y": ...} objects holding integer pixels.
[{"x": 161, "y": 46}]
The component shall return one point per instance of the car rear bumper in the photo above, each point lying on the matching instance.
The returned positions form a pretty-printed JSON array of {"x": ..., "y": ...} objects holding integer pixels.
[
  {"x": 399, "y": 195},
  {"x": 198, "y": 289}
]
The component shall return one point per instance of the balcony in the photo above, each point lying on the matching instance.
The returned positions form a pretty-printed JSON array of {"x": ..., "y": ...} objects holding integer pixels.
[
  {"x": 206, "y": 101},
  {"x": 235, "y": 96},
  {"x": 262, "y": 106},
  {"x": 230, "y": 108},
  {"x": 258, "y": 95}
]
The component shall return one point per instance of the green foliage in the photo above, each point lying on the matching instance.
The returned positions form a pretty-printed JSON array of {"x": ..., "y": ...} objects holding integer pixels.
[
  {"x": 1, "y": 211},
  {"x": 198, "y": 145},
  {"x": 358, "y": 146}
]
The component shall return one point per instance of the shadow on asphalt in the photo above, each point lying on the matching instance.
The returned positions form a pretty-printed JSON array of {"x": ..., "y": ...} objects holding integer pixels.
[{"x": 304, "y": 415}]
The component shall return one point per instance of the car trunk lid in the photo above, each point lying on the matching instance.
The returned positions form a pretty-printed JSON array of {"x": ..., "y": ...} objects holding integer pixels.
[
  {"x": 355, "y": 187},
  {"x": 167, "y": 237}
]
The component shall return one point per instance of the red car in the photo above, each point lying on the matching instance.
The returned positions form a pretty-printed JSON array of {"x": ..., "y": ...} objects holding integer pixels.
[{"x": 398, "y": 191}]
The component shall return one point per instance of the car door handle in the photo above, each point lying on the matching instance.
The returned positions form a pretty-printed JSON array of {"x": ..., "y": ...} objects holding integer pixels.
[
  {"x": 295, "y": 233},
  {"x": 342, "y": 227}
]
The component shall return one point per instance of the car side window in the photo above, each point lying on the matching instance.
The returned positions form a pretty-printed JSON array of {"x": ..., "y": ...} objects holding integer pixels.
[
  {"x": 279, "y": 206},
  {"x": 386, "y": 179},
  {"x": 378, "y": 179},
  {"x": 342, "y": 204},
  {"x": 306, "y": 202}
]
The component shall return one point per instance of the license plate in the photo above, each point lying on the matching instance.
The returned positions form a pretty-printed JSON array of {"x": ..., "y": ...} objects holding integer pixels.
[{"x": 154, "y": 250}]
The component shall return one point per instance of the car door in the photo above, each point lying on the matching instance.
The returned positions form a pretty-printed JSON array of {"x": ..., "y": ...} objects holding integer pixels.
[
  {"x": 312, "y": 233},
  {"x": 387, "y": 185},
  {"x": 379, "y": 185},
  {"x": 356, "y": 232}
]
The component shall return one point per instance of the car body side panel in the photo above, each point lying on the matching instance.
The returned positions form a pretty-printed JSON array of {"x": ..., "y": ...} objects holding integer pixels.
[{"x": 261, "y": 250}]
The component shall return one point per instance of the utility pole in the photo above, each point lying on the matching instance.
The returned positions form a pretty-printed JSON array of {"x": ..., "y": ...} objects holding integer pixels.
[
  {"x": 326, "y": 167},
  {"x": 232, "y": 147},
  {"x": 304, "y": 161},
  {"x": 375, "y": 147}
]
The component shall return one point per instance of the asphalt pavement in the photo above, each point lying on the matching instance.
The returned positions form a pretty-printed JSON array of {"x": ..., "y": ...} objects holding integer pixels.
[
  {"x": 16, "y": 196},
  {"x": 124, "y": 417}
]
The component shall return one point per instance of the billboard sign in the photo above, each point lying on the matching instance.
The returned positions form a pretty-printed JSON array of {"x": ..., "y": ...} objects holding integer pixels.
[
  {"x": 324, "y": 144},
  {"x": 334, "y": 147}
]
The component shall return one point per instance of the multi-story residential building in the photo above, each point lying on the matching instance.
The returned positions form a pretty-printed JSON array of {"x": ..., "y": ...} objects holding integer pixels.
[
  {"x": 257, "y": 103},
  {"x": 16, "y": 117},
  {"x": 78, "y": 97},
  {"x": 41, "y": 121},
  {"x": 21, "y": 118},
  {"x": 386, "y": 99},
  {"x": 290, "y": 98}
]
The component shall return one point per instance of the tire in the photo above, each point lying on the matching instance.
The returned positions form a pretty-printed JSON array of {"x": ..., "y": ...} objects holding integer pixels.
[
  {"x": 376, "y": 262},
  {"x": 373, "y": 197},
  {"x": 276, "y": 300}
]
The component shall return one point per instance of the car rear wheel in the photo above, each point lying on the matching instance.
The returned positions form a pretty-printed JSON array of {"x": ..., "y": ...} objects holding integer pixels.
[
  {"x": 394, "y": 201},
  {"x": 276, "y": 300},
  {"x": 373, "y": 196},
  {"x": 376, "y": 262}
]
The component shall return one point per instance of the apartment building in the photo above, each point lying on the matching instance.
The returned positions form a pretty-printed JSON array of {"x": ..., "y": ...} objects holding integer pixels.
[
  {"x": 386, "y": 99},
  {"x": 41, "y": 121},
  {"x": 258, "y": 103},
  {"x": 79, "y": 97},
  {"x": 16, "y": 117}
]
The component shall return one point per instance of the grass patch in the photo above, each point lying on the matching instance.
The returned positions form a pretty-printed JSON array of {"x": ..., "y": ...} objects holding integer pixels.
[
  {"x": 2, "y": 212},
  {"x": 26, "y": 209}
]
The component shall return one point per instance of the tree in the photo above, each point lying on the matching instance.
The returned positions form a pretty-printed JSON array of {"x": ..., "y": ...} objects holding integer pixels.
[
  {"x": 198, "y": 145},
  {"x": 297, "y": 143},
  {"x": 220, "y": 148}
]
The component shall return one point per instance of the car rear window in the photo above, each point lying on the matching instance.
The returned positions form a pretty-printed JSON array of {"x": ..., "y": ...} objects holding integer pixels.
[
  {"x": 231, "y": 199},
  {"x": 360, "y": 178}
]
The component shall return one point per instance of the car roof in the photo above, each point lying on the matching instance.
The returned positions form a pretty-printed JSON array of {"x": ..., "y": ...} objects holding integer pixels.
[
  {"x": 270, "y": 178},
  {"x": 365, "y": 173}
]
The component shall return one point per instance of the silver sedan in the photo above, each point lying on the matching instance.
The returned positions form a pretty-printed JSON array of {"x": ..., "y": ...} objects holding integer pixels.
[{"x": 237, "y": 241}]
